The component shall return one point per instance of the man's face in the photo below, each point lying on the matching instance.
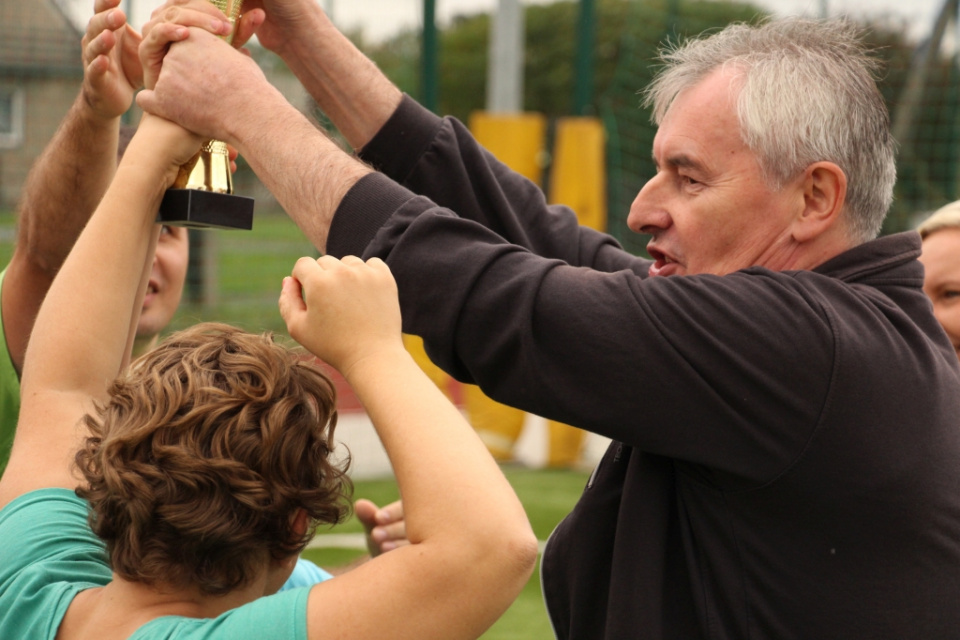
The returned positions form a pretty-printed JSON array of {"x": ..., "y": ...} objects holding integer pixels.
[
  {"x": 709, "y": 209},
  {"x": 941, "y": 281},
  {"x": 166, "y": 281}
]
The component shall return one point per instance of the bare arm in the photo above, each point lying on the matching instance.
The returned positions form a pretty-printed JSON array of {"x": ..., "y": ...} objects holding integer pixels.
[
  {"x": 71, "y": 175},
  {"x": 471, "y": 548},
  {"x": 87, "y": 322},
  {"x": 85, "y": 325},
  {"x": 349, "y": 88}
]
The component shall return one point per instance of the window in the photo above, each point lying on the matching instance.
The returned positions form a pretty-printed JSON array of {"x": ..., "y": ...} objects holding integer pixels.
[{"x": 11, "y": 117}]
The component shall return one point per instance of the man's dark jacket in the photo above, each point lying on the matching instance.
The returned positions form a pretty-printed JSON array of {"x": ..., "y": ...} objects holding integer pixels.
[{"x": 786, "y": 455}]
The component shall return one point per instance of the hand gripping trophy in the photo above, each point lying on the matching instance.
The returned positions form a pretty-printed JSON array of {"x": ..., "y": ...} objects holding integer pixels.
[{"x": 202, "y": 195}]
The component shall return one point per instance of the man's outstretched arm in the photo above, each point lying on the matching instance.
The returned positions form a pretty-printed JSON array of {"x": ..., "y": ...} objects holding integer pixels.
[{"x": 347, "y": 86}]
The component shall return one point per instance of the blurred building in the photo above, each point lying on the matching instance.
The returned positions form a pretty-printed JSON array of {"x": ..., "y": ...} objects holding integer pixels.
[{"x": 40, "y": 70}]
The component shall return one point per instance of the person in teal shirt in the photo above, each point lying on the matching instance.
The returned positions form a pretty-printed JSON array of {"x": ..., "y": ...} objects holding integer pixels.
[
  {"x": 53, "y": 211},
  {"x": 171, "y": 496}
]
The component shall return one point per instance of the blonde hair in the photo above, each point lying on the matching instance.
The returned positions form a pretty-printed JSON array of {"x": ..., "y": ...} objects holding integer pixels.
[{"x": 946, "y": 217}]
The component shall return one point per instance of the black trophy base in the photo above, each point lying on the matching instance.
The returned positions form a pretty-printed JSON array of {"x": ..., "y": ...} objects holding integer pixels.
[{"x": 205, "y": 210}]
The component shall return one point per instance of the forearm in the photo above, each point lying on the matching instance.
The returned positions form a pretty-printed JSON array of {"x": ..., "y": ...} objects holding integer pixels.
[
  {"x": 65, "y": 185},
  {"x": 75, "y": 345},
  {"x": 306, "y": 171},
  {"x": 80, "y": 337},
  {"x": 473, "y": 511},
  {"x": 61, "y": 192},
  {"x": 347, "y": 86}
]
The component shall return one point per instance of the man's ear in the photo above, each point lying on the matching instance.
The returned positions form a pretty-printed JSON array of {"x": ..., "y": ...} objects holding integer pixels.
[{"x": 824, "y": 194}]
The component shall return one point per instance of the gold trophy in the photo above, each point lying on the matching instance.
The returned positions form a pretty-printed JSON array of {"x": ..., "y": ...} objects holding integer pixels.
[{"x": 202, "y": 195}]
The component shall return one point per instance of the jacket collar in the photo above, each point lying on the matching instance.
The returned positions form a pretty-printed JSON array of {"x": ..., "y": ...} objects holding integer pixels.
[{"x": 892, "y": 257}]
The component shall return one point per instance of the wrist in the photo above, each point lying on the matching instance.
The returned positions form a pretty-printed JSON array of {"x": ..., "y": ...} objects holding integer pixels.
[
  {"x": 302, "y": 44},
  {"x": 267, "y": 117},
  {"x": 92, "y": 107},
  {"x": 92, "y": 117}
]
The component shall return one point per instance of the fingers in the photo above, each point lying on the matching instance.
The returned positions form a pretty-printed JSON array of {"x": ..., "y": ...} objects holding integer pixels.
[
  {"x": 247, "y": 26},
  {"x": 170, "y": 24},
  {"x": 190, "y": 13},
  {"x": 112, "y": 70},
  {"x": 154, "y": 48},
  {"x": 291, "y": 303},
  {"x": 102, "y": 5},
  {"x": 307, "y": 267},
  {"x": 385, "y": 528},
  {"x": 351, "y": 313},
  {"x": 393, "y": 512},
  {"x": 232, "y": 155},
  {"x": 366, "y": 512},
  {"x": 100, "y": 38},
  {"x": 107, "y": 18}
]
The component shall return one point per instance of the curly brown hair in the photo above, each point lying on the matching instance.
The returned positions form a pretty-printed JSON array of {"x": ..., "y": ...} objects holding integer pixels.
[{"x": 202, "y": 455}]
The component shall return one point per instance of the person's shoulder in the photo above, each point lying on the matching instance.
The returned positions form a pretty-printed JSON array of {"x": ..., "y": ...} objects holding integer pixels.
[
  {"x": 43, "y": 524},
  {"x": 47, "y": 555},
  {"x": 282, "y": 616}
]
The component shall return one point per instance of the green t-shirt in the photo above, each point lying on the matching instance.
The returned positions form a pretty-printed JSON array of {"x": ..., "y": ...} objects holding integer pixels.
[
  {"x": 9, "y": 395},
  {"x": 49, "y": 554}
]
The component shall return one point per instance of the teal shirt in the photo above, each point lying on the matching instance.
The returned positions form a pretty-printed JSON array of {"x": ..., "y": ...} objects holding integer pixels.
[
  {"x": 49, "y": 554},
  {"x": 9, "y": 395}
]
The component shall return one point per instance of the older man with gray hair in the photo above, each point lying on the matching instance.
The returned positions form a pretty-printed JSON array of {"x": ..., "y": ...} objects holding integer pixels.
[{"x": 783, "y": 407}]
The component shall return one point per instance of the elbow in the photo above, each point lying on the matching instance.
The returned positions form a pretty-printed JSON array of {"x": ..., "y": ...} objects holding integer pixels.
[
  {"x": 41, "y": 262},
  {"x": 525, "y": 550},
  {"x": 515, "y": 549}
]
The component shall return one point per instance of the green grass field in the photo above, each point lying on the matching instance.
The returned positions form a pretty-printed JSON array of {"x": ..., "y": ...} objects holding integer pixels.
[
  {"x": 251, "y": 266},
  {"x": 547, "y": 496}
]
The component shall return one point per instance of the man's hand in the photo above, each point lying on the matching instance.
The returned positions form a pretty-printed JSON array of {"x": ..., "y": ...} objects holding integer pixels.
[
  {"x": 168, "y": 24},
  {"x": 112, "y": 72},
  {"x": 385, "y": 528},
  {"x": 286, "y": 22},
  {"x": 205, "y": 85}
]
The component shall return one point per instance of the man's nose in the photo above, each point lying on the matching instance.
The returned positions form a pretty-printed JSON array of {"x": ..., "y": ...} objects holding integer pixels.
[{"x": 648, "y": 213}]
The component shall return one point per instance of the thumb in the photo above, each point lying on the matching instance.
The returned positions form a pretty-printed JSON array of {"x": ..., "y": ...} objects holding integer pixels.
[
  {"x": 291, "y": 300},
  {"x": 247, "y": 26},
  {"x": 147, "y": 100},
  {"x": 366, "y": 512}
]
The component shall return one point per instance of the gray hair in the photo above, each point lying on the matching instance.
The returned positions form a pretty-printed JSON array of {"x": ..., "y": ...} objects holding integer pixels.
[
  {"x": 946, "y": 217},
  {"x": 807, "y": 94}
]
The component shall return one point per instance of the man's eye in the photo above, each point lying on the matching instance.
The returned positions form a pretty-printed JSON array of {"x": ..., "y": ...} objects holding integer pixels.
[{"x": 165, "y": 230}]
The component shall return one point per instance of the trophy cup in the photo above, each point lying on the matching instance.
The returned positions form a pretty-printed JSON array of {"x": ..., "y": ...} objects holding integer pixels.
[{"x": 202, "y": 195}]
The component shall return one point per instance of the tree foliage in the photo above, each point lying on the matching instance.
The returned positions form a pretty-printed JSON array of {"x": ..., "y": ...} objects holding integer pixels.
[{"x": 628, "y": 35}]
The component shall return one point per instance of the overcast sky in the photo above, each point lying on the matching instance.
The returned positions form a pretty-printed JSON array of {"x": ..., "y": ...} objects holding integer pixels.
[{"x": 379, "y": 18}]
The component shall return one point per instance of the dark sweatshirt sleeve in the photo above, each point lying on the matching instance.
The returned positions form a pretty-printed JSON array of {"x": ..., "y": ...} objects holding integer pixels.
[
  {"x": 705, "y": 370},
  {"x": 440, "y": 159}
]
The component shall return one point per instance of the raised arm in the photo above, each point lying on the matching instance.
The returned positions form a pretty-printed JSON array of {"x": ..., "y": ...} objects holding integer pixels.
[
  {"x": 82, "y": 334},
  {"x": 471, "y": 548},
  {"x": 87, "y": 323},
  {"x": 349, "y": 88},
  {"x": 72, "y": 174}
]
